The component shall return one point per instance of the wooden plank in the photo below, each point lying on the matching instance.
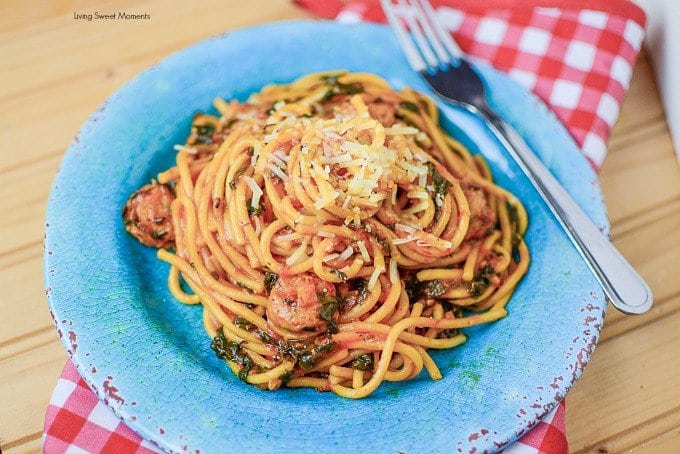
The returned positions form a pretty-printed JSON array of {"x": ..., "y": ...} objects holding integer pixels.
[
  {"x": 25, "y": 191},
  {"x": 641, "y": 104},
  {"x": 644, "y": 175},
  {"x": 30, "y": 444},
  {"x": 83, "y": 86},
  {"x": 666, "y": 443},
  {"x": 57, "y": 126},
  {"x": 654, "y": 248},
  {"x": 27, "y": 383},
  {"x": 629, "y": 380},
  {"x": 126, "y": 39},
  {"x": 636, "y": 133},
  {"x": 636, "y": 439},
  {"x": 23, "y": 305}
]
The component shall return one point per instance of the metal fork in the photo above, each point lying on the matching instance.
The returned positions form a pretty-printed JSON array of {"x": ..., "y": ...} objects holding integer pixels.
[{"x": 431, "y": 51}]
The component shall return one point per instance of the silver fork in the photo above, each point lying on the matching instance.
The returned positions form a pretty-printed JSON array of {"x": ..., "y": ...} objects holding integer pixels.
[{"x": 431, "y": 51}]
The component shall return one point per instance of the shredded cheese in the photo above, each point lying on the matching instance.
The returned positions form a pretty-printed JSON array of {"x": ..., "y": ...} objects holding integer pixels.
[
  {"x": 256, "y": 190},
  {"x": 278, "y": 162},
  {"x": 364, "y": 251},
  {"x": 401, "y": 130},
  {"x": 374, "y": 277},
  {"x": 299, "y": 255},
  {"x": 278, "y": 172},
  {"x": 184, "y": 148},
  {"x": 394, "y": 273},
  {"x": 288, "y": 237},
  {"x": 408, "y": 239},
  {"x": 330, "y": 257},
  {"x": 344, "y": 255}
]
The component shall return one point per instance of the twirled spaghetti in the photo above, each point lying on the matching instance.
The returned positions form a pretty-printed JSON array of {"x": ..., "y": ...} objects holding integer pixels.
[{"x": 333, "y": 233}]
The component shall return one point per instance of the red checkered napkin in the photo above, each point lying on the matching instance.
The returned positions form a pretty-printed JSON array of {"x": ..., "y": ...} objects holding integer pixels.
[
  {"x": 78, "y": 422},
  {"x": 576, "y": 55}
]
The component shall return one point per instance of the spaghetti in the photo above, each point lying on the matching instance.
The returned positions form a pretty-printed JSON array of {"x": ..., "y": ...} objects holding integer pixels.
[{"x": 333, "y": 233}]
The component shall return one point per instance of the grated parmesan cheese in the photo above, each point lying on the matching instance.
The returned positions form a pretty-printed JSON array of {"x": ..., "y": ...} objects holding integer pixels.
[
  {"x": 288, "y": 237},
  {"x": 277, "y": 161},
  {"x": 401, "y": 130},
  {"x": 364, "y": 251},
  {"x": 184, "y": 148},
  {"x": 394, "y": 273},
  {"x": 256, "y": 190},
  {"x": 299, "y": 255},
  {"x": 282, "y": 156},
  {"x": 417, "y": 194},
  {"x": 278, "y": 172},
  {"x": 347, "y": 253},
  {"x": 374, "y": 277},
  {"x": 330, "y": 257},
  {"x": 405, "y": 228}
]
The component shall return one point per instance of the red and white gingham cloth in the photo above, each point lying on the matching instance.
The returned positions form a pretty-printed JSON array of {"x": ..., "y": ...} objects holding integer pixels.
[
  {"x": 77, "y": 422},
  {"x": 576, "y": 55}
]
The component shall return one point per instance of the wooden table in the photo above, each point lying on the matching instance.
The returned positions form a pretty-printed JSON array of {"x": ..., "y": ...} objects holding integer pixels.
[{"x": 55, "y": 70}]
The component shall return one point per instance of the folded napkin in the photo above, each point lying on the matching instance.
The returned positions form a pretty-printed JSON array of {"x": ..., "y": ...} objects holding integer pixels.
[{"x": 576, "y": 55}]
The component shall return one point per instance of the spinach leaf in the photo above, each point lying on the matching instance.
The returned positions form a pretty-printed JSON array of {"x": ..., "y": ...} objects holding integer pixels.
[
  {"x": 255, "y": 211},
  {"x": 441, "y": 188},
  {"x": 306, "y": 355},
  {"x": 232, "y": 351},
  {"x": 410, "y": 106},
  {"x": 243, "y": 323},
  {"x": 330, "y": 306},
  {"x": 416, "y": 289},
  {"x": 363, "y": 362},
  {"x": 269, "y": 280},
  {"x": 204, "y": 134},
  {"x": 481, "y": 281},
  {"x": 338, "y": 88},
  {"x": 239, "y": 172}
]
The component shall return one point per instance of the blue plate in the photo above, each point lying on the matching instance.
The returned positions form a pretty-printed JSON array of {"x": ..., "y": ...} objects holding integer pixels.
[{"x": 147, "y": 356}]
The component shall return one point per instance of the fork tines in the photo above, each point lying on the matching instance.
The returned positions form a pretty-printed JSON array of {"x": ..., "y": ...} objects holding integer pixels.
[{"x": 428, "y": 46}]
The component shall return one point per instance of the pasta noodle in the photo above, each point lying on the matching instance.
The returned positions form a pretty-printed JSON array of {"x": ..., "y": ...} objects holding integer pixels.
[{"x": 333, "y": 233}]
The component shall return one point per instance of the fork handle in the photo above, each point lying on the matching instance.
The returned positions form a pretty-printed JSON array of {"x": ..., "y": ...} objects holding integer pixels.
[{"x": 625, "y": 288}]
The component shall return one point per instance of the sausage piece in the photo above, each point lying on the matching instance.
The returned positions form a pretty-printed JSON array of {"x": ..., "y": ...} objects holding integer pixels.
[
  {"x": 482, "y": 218},
  {"x": 147, "y": 215},
  {"x": 294, "y": 303}
]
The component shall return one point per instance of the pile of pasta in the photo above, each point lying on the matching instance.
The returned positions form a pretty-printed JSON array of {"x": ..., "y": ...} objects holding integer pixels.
[{"x": 334, "y": 233}]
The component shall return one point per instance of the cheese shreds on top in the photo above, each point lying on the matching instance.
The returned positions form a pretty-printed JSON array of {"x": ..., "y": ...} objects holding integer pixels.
[
  {"x": 374, "y": 276},
  {"x": 256, "y": 190},
  {"x": 394, "y": 273},
  {"x": 299, "y": 255},
  {"x": 347, "y": 253},
  {"x": 330, "y": 257},
  {"x": 364, "y": 252},
  {"x": 184, "y": 148}
]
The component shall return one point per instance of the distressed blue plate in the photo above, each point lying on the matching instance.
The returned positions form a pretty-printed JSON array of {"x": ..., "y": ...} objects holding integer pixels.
[{"x": 147, "y": 356}]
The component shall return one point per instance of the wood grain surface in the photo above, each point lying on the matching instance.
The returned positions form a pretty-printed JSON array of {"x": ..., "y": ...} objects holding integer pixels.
[{"x": 55, "y": 70}]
